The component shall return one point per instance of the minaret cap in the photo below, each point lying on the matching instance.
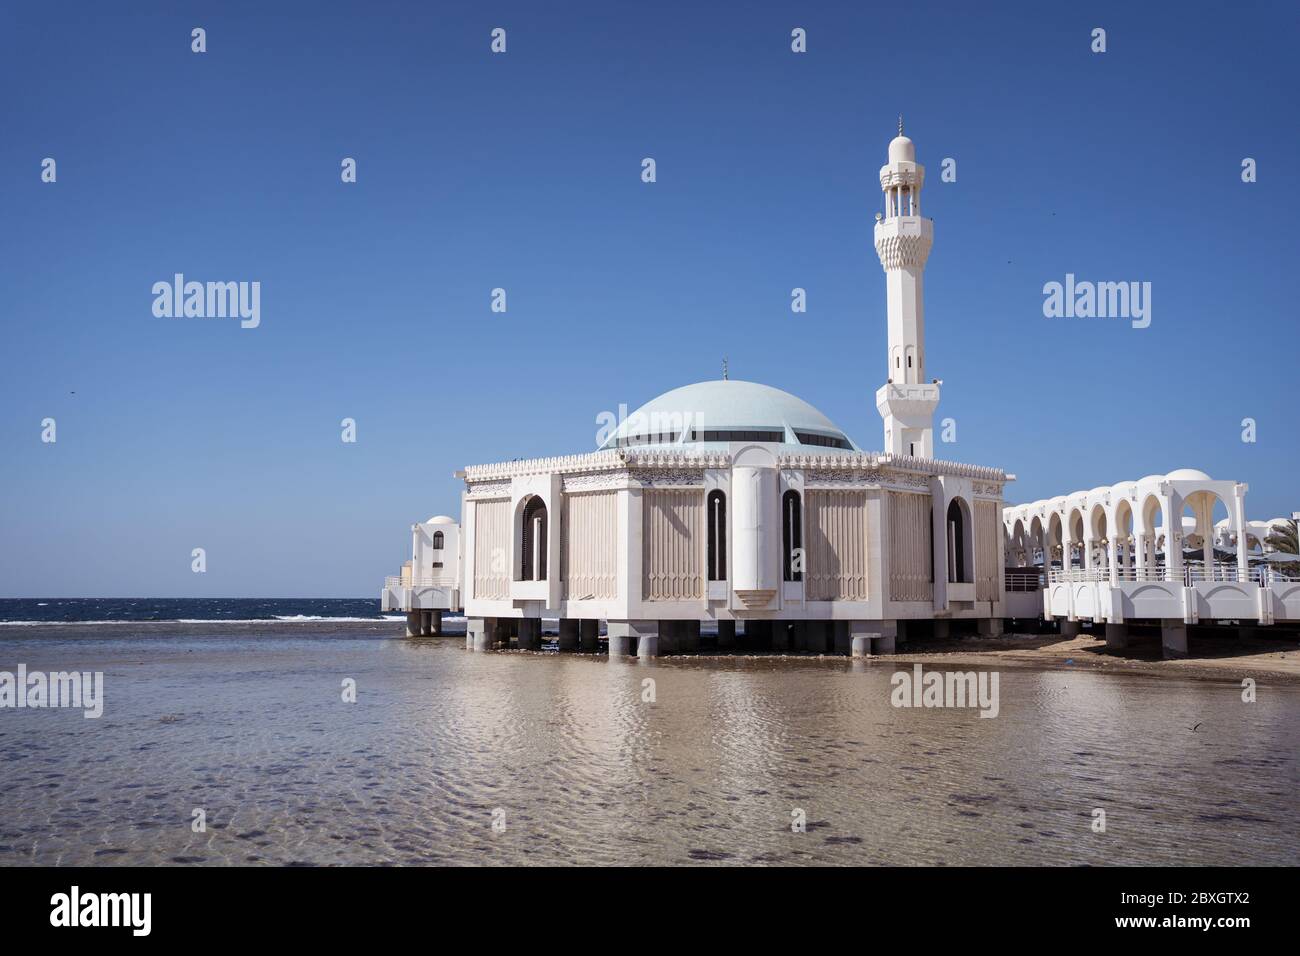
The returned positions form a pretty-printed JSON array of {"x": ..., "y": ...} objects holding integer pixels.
[{"x": 901, "y": 149}]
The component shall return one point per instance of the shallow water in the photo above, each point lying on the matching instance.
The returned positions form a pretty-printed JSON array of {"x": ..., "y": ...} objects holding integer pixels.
[{"x": 247, "y": 722}]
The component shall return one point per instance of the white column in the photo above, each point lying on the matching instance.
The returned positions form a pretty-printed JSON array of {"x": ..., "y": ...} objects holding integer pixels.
[{"x": 1239, "y": 524}]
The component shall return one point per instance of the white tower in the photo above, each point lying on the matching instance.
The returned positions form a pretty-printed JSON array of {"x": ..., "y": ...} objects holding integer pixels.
[{"x": 903, "y": 238}]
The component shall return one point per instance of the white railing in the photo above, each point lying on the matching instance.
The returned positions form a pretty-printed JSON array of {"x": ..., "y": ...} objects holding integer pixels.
[
  {"x": 1021, "y": 579},
  {"x": 421, "y": 581},
  {"x": 1195, "y": 573}
]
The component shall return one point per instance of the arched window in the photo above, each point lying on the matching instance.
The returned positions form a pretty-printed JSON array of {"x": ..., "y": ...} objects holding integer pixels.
[
  {"x": 792, "y": 536},
  {"x": 957, "y": 531},
  {"x": 533, "y": 567},
  {"x": 437, "y": 541},
  {"x": 716, "y": 516}
]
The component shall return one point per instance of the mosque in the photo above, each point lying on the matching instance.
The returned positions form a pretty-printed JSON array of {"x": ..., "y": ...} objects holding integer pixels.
[{"x": 736, "y": 508}]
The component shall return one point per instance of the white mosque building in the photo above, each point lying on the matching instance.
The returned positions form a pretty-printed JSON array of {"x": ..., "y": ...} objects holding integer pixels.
[{"x": 729, "y": 503}]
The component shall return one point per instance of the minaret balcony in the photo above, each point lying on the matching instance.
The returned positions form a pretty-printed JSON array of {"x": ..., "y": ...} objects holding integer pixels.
[
  {"x": 903, "y": 242},
  {"x": 912, "y": 403}
]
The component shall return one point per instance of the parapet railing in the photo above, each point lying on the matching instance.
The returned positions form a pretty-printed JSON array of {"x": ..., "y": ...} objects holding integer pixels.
[
  {"x": 420, "y": 581},
  {"x": 1023, "y": 580},
  {"x": 1189, "y": 575}
]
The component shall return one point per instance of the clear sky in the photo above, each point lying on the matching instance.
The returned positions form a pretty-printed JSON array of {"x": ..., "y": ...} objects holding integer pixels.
[{"x": 523, "y": 171}]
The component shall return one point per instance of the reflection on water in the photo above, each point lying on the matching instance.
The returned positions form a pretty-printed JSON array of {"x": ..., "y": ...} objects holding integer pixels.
[{"x": 247, "y": 722}]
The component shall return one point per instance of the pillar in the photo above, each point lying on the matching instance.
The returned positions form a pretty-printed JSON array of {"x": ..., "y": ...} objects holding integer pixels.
[
  {"x": 666, "y": 637},
  {"x": 1239, "y": 525},
  {"x": 726, "y": 635},
  {"x": 426, "y": 623},
  {"x": 1116, "y": 636},
  {"x": 435, "y": 620},
  {"x": 780, "y": 636},
  {"x": 530, "y": 634},
  {"x": 880, "y": 636},
  {"x": 1173, "y": 638},
  {"x": 990, "y": 626},
  {"x": 568, "y": 634},
  {"x": 688, "y": 638},
  {"x": 819, "y": 637},
  {"x": 1141, "y": 556},
  {"x": 647, "y": 646},
  {"x": 1071, "y": 628},
  {"x": 623, "y": 634},
  {"x": 412, "y": 623},
  {"x": 941, "y": 628},
  {"x": 589, "y": 635},
  {"x": 481, "y": 633},
  {"x": 861, "y": 643}
]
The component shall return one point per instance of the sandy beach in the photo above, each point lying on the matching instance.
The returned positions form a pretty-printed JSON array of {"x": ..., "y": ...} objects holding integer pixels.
[{"x": 1276, "y": 660}]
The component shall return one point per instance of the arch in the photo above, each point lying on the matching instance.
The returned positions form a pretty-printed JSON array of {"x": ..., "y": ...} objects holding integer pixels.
[
  {"x": 1016, "y": 542},
  {"x": 792, "y": 536},
  {"x": 1055, "y": 539},
  {"x": 533, "y": 551},
  {"x": 437, "y": 541},
  {"x": 715, "y": 515},
  {"x": 1202, "y": 505},
  {"x": 959, "y": 542}
]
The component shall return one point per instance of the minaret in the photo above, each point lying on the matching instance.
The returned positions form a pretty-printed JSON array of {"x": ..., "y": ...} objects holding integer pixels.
[{"x": 908, "y": 399}]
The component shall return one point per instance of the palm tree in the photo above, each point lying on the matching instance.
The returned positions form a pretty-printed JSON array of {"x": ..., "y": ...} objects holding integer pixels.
[{"x": 1283, "y": 538}]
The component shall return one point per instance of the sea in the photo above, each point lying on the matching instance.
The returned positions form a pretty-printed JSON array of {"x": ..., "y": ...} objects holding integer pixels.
[{"x": 313, "y": 732}]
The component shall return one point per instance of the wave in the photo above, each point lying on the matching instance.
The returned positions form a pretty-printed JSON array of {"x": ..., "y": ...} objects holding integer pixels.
[{"x": 278, "y": 619}]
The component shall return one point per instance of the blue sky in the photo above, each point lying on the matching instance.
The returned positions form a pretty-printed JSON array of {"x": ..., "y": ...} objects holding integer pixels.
[{"x": 522, "y": 171}]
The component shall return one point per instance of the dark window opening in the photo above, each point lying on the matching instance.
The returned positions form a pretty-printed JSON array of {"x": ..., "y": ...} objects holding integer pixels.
[
  {"x": 957, "y": 531},
  {"x": 737, "y": 435},
  {"x": 792, "y": 536},
  {"x": 825, "y": 441},
  {"x": 716, "y": 516},
  {"x": 533, "y": 565},
  {"x": 437, "y": 541}
]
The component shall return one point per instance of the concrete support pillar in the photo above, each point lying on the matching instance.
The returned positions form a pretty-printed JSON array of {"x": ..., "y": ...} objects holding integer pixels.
[
  {"x": 818, "y": 637},
  {"x": 942, "y": 628},
  {"x": 412, "y": 623},
  {"x": 801, "y": 638},
  {"x": 1173, "y": 638},
  {"x": 481, "y": 632},
  {"x": 990, "y": 626},
  {"x": 589, "y": 635},
  {"x": 880, "y": 636},
  {"x": 647, "y": 646},
  {"x": 780, "y": 636},
  {"x": 688, "y": 638},
  {"x": 435, "y": 621},
  {"x": 666, "y": 634},
  {"x": 623, "y": 635},
  {"x": 568, "y": 634},
  {"x": 840, "y": 641},
  {"x": 426, "y": 623},
  {"x": 861, "y": 643},
  {"x": 726, "y": 635},
  {"x": 530, "y": 634},
  {"x": 1071, "y": 628},
  {"x": 1117, "y": 636}
]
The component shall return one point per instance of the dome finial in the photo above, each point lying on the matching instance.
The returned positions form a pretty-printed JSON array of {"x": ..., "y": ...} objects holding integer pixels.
[
  {"x": 724, "y": 368},
  {"x": 900, "y": 124}
]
